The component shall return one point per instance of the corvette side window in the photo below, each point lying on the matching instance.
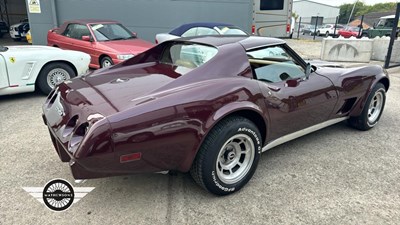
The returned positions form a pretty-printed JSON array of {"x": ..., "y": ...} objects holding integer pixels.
[{"x": 274, "y": 64}]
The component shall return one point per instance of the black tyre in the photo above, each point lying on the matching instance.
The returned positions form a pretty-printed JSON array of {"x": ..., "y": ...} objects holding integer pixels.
[
  {"x": 372, "y": 111},
  {"x": 327, "y": 34},
  {"x": 106, "y": 62},
  {"x": 318, "y": 34},
  {"x": 228, "y": 156},
  {"x": 16, "y": 39},
  {"x": 53, "y": 74}
]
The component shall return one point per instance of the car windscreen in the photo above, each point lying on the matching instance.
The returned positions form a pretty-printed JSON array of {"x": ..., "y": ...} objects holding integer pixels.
[
  {"x": 230, "y": 30},
  {"x": 187, "y": 56},
  {"x": 110, "y": 32}
]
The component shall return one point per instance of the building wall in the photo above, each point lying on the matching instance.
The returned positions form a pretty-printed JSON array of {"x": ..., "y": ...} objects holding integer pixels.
[
  {"x": 145, "y": 17},
  {"x": 307, "y": 9}
]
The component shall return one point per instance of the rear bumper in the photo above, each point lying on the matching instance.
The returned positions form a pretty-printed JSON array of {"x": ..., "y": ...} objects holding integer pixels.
[{"x": 102, "y": 165}]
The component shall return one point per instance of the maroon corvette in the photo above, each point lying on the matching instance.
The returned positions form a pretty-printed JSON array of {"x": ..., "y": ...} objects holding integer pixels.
[{"x": 208, "y": 105}]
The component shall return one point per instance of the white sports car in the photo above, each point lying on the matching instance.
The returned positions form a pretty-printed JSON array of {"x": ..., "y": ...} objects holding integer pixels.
[{"x": 25, "y": 68}]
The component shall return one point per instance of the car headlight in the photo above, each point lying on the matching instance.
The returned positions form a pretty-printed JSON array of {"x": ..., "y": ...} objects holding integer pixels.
[{"x": 125, "y": 56}]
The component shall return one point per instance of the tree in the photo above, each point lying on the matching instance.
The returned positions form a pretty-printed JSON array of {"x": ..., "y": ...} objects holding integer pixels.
[{"x": 362, "y": 9}]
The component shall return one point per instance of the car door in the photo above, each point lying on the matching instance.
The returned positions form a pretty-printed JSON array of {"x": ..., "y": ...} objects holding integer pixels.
[
  {"x": 293, "y": 101},
  {"x": 75, "y": 32}
]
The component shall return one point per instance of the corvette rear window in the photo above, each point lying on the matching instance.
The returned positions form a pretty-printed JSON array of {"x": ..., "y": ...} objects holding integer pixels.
[{"x": 189, "y": 56}]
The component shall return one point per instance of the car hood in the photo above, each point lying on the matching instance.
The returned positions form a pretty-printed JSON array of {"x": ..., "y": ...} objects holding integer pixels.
[
  {"x": 27, "y": 50},
  {"x": 132, "y": 46}
]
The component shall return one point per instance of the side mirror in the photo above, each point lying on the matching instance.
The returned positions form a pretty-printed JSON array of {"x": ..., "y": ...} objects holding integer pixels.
[
  {"x": 134, "y": 34},
  {"x": 292, "y": 83},
  {"x": 308, "y": 70},
  {"x": 86, "y": 38}
]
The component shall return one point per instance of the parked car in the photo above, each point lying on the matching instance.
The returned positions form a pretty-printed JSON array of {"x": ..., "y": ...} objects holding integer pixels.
[
  {"x": 349, "y": 32},
  {"x": 26, "y": 68},
  {"x": 29, "y": 37},
  {"x": 18, "y": 31},
  {"x": 199, "y": 29},
  {"x": 209, "y": 105},
  {"x": 382, "y": 28},
  {"x": 107, "y": 42},
  {"x": 3, "y": 28},
  {"x": 308, "y": 29},
  {"x": 329, "y": 30}
]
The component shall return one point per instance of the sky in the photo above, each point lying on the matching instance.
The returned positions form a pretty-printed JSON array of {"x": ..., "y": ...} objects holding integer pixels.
[{"x": 340, "y": 2}]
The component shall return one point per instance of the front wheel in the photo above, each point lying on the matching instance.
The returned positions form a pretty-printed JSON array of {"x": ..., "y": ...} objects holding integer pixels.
[
  {"x": 372, "y": 110},
  {"x": 228, "y": 156},
  {"x": 327, "y": 34},
  {"x": 106, "y": 62},
  {"x": 53, "y": 74}
]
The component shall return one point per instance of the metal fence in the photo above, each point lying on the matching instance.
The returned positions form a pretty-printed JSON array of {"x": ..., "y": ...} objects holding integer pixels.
[{"x": 310, "y": 25}]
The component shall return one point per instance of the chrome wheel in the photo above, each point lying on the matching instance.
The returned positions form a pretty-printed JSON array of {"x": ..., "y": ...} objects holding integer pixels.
[
  {"x": 375, "y": 107},
  {"x": 235, "y": 158},
  {"x": 57, "y": 76}
]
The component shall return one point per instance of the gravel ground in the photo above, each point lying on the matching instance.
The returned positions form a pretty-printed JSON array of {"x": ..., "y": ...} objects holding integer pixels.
[{"x": 337, "y": 175}]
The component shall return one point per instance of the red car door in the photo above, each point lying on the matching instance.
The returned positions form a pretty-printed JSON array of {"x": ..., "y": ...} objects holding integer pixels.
[
  {"x": 73, "y": 39},
  {"x": 293, "y": 101}
]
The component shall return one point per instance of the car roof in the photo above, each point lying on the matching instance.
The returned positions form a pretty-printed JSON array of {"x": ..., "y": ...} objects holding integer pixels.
[
  {"x": 248, "y": 42},
  {"x": 184, "y": 27},
  {"x": 89, "y": 21}
]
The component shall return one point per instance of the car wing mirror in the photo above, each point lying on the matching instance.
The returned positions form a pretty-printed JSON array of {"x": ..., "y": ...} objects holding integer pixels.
[
  {"x": 134, "y": 34},
  {"x": 308, "y": 70},
  {"x": 86, "y": 38},
  {"x": 292, "y": 83}
]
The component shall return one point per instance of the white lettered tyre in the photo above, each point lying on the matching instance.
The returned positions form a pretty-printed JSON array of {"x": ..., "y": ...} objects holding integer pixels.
[{"x": 228, "y": 156}]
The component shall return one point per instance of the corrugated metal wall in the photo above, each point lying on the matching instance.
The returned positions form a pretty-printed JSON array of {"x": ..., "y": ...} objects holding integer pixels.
[{"x": 145, "y": 17}]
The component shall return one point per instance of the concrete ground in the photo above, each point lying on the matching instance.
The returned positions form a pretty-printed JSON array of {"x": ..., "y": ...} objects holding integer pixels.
[{"x": 337, "y": 175}]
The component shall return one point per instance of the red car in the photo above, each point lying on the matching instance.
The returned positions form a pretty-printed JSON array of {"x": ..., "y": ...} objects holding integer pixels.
[
  {"x": 350, "y": 32},
  {"x": 107, "y": 42},
  {"x": 209, "y": 105}
]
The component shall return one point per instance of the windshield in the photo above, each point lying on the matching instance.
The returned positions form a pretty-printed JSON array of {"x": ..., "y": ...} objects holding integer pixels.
[
  {"x": 110, "y": 32},
  {"x": 225, "y": 30}
]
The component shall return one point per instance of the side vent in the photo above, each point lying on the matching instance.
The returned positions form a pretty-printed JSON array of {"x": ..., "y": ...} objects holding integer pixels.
[
  {"x": 347, "y": 106},
  {"x": 28, "y": 70}
]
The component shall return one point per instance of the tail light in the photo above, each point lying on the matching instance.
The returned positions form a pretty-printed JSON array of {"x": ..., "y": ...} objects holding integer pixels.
[
  {"x": 288, "y": 28},
  {"x": 253, "y": 29}
]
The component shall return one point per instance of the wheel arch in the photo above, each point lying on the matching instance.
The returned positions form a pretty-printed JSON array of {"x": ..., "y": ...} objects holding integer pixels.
[
  {"x": 101, "y": 56},
  {"x": 249, "y": 111},
  {"x": 55, "y": 61}
]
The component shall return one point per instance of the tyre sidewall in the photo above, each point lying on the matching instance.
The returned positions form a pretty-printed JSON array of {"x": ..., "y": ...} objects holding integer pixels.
[
  {"x": 211, "y": 178},
  {"x": 42, "y": 79},
  {"x": 106, "y": 58},
  {"x": 378, "y": 88}
]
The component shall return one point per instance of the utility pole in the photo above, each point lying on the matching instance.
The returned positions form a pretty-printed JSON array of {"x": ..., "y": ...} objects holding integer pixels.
[{"x": 351, "y": 14}]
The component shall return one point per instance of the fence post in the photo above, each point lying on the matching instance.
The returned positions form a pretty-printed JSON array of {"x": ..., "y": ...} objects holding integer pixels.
[
  {"x": 334, "y": 31},
  {"x": 298, "y": 30},
  {"x": 315, "y": 29},
  {"x": 392, "y": 37},
  {"x": 361, "y": 26}
]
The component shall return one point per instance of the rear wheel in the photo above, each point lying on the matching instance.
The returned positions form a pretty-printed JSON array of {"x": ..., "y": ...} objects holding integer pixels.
[
  {"x": 228, "y": 156},
  {"x": 318, "y": 34},
  {"x": 372, "y": 110},
  {"x": 53, "y": 74}
]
